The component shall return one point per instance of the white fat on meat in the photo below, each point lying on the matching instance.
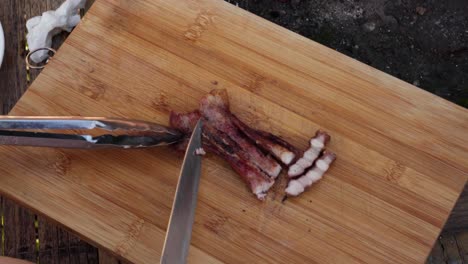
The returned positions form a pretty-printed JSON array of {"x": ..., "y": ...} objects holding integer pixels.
[
  {"x": 200, "y": 152},
  {"x": 261, "y": 189},
  {"x": 287, "y": 157},
  {"x": 317, "y": 144},
  {"x": 297, "y": 186}
]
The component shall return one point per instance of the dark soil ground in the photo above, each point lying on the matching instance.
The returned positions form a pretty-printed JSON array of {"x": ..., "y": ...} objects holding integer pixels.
[{"x": 422, "y": 42}]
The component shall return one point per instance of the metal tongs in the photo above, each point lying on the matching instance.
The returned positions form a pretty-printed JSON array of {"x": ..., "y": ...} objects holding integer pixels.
[{"x": 120, "y": 133}]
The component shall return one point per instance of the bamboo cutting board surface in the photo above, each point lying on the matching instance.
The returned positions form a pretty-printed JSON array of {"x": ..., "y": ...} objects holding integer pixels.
[{"x": 402, "y": 152}]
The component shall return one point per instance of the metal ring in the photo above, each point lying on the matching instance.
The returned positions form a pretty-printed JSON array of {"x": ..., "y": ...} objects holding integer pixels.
[{"x": 36, "y": 50}]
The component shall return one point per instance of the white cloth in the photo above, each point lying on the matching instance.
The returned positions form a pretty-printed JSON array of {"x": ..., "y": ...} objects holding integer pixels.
[{"x": 41, "y": 29}]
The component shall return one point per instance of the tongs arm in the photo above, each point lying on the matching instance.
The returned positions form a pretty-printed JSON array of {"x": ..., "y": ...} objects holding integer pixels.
[{"x": 19, "y": 130}]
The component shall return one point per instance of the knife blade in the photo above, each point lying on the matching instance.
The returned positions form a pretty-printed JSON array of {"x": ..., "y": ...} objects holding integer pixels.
[{"x": 179, "y": 231}]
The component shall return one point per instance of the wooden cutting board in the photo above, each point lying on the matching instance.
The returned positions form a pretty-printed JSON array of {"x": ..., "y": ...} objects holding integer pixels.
[{"x": 402, "y": 152}]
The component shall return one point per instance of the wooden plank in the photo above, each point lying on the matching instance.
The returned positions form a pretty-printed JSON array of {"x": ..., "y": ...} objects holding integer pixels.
[
  {"x": 12, "y": 72},
  {"x": 380, "y": 201},
  {"x": 48, "y": 241},
  {"x": 9, "y": 212},
  {"x": 54, "y": 242},
  {"x": 462, "y": 242},
  {"x": 81, "y": 252},
  {"x": 2, "y": 234},
  {"x": 2, "y": 229},
  {"x": 26, "y": 242},
  {"x": 76, "y": 252},
  {"x": 450, "y": 248},
  {"x": 19, "y": 231},
  {"x": 106, "y": 258},
  {"x": 47, "y": 231},
  {"x": 63, "y": 246},
  {"x": 92, "y": 253}
]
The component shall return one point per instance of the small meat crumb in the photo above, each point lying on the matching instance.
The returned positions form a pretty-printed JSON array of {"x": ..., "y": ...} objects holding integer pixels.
[{"x": 200, "y": 152}]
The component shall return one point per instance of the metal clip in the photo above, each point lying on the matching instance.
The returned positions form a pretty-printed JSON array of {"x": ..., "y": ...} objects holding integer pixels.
[{"x": 30, "y": 66}]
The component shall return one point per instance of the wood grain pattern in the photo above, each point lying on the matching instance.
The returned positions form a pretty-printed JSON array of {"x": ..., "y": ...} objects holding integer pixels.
[
  {"x": 19, "y": 231},
  {"x": 12, "y": 72},
  {"x": 401, "y": 166},
  {"x": 48, "y": 240},
  {"x": 105, "y": 257},
  {"x": 48, "y": 232}
]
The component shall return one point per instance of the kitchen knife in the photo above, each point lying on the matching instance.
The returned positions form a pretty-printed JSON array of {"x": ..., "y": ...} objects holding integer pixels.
[{"x": 179, "y": 230}]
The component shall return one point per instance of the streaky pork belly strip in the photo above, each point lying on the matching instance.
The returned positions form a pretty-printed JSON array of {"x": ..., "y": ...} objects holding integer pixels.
[
  {"x": 185, "y": 122},
  {"x": 228, "y": 137},
  {"x": 317, "y": 144},
  {"x": 215, "y": 108},
  {"x": 258, "y": 181},
  {"x": 270, "y": 143},
  {"x": 216, "y": 142},
  {"x": 297, "y": 186}
]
